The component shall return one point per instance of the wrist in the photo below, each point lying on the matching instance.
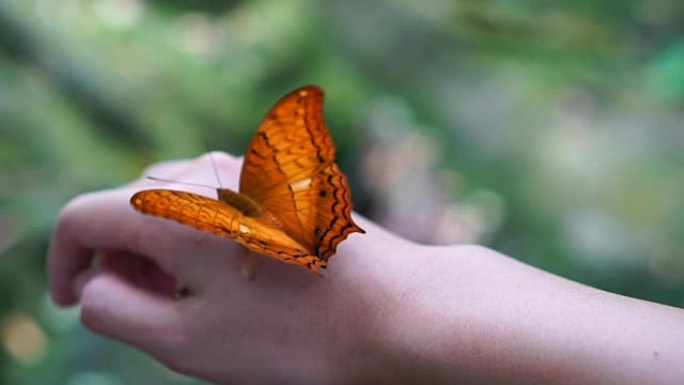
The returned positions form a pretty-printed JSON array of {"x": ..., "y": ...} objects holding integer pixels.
[
  {"x": 396, "y": 330},
  {"x": 375, "y": 279},
  {"x": 427, "y": 337}
]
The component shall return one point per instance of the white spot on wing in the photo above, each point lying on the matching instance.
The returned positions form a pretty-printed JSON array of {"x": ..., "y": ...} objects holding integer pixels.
[
  {"x": 243, "y": 229},
  {"x": 303, "y": 184}
]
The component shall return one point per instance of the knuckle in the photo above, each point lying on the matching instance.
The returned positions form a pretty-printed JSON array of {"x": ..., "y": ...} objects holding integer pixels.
[
  {"x": 69, "y": 215},
  {"x": 159, "y": 169},
  {"x": 175, "y": 349},
  {"x": 219, "y": 158}
]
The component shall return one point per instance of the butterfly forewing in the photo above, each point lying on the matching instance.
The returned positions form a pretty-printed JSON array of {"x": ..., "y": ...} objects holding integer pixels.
[{"x": 289, "y": 169}]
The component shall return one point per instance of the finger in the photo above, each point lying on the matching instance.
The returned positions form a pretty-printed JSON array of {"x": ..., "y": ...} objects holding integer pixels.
[
  {"x": 105, "y": 221},
  {"x": 143, "y": 272},
  {"x": 91, "y": 222},
  {"x": 219, "y": 158},
  {"x": 112, "y": 306},
  {"x": 213, "y": 169},
  {"x": 67, "y": 257},
  {"x": 220, "y": 168},
  {"x": 166, "y": 169}
]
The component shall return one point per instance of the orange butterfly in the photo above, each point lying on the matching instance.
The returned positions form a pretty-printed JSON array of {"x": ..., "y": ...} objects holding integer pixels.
[{"x": 294, "y": 202}]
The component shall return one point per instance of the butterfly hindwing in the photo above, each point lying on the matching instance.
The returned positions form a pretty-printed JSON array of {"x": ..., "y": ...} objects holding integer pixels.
[
  {"x": 290, "y": 170},
  {"x": 334, "y": 207},
  {"x": 198, "y": 211},
  {"x": 252, "y": 229}
]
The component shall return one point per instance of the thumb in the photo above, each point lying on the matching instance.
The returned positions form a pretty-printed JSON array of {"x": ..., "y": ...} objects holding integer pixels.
[{"x": 114, "y": 307}]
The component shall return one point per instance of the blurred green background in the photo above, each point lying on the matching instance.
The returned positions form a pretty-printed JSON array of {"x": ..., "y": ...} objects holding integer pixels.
[{"x": 551, "y": 131}]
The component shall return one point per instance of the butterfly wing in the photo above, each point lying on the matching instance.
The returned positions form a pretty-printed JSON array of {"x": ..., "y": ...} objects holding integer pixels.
[
  {"x": 198, "y": 211},
  {"x": 290, "y": 170},
  {"x": 254, "y": 229}
]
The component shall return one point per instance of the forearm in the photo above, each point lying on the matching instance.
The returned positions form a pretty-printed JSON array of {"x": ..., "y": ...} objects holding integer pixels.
[{"x": 475, "y": 315}]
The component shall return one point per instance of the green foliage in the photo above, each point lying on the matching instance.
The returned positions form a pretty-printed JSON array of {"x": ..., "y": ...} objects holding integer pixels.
[{"x": 548, "y": 130}]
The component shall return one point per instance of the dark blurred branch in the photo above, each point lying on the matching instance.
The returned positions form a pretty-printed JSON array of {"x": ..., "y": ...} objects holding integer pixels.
[{"x": 207, "y": 6}]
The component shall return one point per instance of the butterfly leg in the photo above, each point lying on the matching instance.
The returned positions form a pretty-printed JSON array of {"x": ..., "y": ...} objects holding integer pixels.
[
  {"x": 202, "y": 238},
  {"x": 249, "y": 268}
]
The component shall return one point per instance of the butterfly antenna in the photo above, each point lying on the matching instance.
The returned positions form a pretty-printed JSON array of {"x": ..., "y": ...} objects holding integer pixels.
[
  {"x": 213, "y": 166},
  {"x": 154, "y": 178}
]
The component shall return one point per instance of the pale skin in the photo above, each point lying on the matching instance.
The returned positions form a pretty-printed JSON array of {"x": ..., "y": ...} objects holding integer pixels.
[{"x": 386, "y": 311}]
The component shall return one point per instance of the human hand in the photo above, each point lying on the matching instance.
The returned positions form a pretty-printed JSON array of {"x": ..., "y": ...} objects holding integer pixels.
[
  {"x": 287, "y": 324},
  {"x": 387, "y": 310}
]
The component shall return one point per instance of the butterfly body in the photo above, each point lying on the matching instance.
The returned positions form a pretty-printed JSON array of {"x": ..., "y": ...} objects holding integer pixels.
[{"x": 294, "y": 203}]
